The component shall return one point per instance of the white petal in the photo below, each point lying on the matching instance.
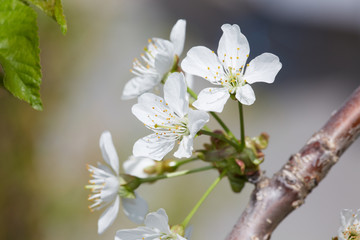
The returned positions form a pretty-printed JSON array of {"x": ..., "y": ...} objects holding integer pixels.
[
  {"x": 233, "y": 46},
  {"x": 135, "y": 208},
  {"x": 202, "y": 62},
  {"x": 189, "y": 80},
  {"x": 147, "y": 107},
  {"x": 177, "y": 36},
  {"x": 245, "y": 94},
  {"x": 188, "y": 232},
  {"x": 108, "y": 216},
  {"x": 263, "y": 68},
  {"x": 135, "y": 166},
  {"x": 185, "y": 147},
  {"x": 153, "y": 147},
  {"x": 164, "y": 58},
  {"x": 163, "y": 64},
  {"x": 197, "y": 119},
  {"x": 158, "y": 220},
  {"x": 139, "y": 85},
  {"x": 212, "y": 99},
  {"x": 108, "y": 151},
  {"x": 135, "y": 234},
  {"x": 175, "y": 94}
]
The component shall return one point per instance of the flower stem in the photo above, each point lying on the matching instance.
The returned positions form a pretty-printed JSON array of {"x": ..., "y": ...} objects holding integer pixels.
[
  {"x": 174, "y": 174},
  {"x": 242, "y": 146},
  {"x": 182, "y": 162},
  {"x": 198, "y": 204},
  {"x": 221, "y": 137},
  {"x": 223, "y": 125},
  {"x": 217, "y": 118}
]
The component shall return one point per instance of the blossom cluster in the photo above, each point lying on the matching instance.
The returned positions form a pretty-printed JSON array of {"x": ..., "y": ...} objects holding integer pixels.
[{"x": 172, "y": 118}]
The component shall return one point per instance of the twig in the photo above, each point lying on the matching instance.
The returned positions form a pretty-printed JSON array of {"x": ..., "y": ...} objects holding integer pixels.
[{"x": 274, "y": 198}]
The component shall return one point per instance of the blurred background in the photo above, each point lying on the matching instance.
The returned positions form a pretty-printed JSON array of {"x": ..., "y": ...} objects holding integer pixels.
[{"x": 43, "y": 154}]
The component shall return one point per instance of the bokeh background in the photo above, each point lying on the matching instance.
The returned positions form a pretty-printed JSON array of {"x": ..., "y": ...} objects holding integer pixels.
[{"x": 43, "y": 154}]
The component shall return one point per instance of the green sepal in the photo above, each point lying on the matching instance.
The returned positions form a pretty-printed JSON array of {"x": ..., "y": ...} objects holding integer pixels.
[
  {"x": 129, "y": 182},
  {"x": 19, "y": 51}
]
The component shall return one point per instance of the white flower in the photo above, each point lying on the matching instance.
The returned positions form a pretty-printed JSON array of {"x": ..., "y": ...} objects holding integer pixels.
[
  {"x": 227, "y": 69},
  {"x": 350, "y": 221},
  {"x": 171, "y": 120},
  {"x": 107, "y": 191},
  {"x": 156, "y": 227},
  {"x": 135, "y": 166},
  {"x": 160, "y": 57}
]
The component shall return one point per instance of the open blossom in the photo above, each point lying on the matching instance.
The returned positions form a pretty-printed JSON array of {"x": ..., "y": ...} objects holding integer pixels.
[
  {"x": 170, "y": 118},
  {"x": 228, "y": 70},
  {"x": 156, "y": 227},
  {"x": 158, "y": 60},
  {"x": 350, "y": 225},
  {"x": 107, "y": 190}
]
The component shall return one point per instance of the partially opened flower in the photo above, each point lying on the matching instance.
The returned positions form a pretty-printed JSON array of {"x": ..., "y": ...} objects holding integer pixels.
[
  {"x": 170, "y": 118},
  {"x": 156, "y": 227},
  {"x": 228, "y": 70},
  {"x": 350, "y": 225},
  {"x": 160, "y": 57},
  {"x": 137, "y": 166},
  {"x": 107, "y": 189}
]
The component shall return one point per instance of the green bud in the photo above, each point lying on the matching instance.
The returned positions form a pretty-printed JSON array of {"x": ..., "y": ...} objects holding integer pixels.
[{"x": 178, "y": 229}]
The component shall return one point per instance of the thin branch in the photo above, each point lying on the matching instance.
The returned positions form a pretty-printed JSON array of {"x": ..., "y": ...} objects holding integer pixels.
[{"x": 274, "y": 198}]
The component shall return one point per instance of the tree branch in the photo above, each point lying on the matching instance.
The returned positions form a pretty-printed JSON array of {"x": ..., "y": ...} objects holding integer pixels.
[{"x": 274, "y": 198}]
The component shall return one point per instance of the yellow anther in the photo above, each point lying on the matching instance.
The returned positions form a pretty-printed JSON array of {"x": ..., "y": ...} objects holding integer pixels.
[
  {"x": 212, "y": 51},
  {"x": 238, "y": 74},
  {"x": 208, "y": 68},
  {"x": 166, "y": 105},
  {"x": 226, "y": 81},
  {"x": 149, "y": 40},
  {"x": 206, "y": 77},
  {"x": 147, "y": 66},
  {"x": 160, "y": 100},
  {"x": 225, "y": 55},
  {"x": 217, "y": 73},
  {"x": 153, "y": 108},
  {"x": 237, "y": 57},
  {"x": 131, "y": 70},
  {"x": 218, "y": 67},
  {"x": 238, "y": 49},
  {"x": 209, "y": 90},
  {"x": 223, "y": 60},
  {"x": 247, "y": 65},
  {"x": 247, "y": 55},
  {"x": 230, "y": 57},
  {"x": 155, "y": 115}
]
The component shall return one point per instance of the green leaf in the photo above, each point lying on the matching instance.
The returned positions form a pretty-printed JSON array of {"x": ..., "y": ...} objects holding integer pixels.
[
  {"x": 54, "y": 9},
  {"x": 19, "y": 51}
]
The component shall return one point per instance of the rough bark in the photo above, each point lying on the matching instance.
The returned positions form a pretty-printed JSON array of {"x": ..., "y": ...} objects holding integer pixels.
[{"x": 274, "y": 198}]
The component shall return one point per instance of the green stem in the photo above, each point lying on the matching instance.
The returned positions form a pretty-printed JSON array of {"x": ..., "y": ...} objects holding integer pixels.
[
  {"x": 198, "y": 204},
  {"x": 217, "y": 118},
  {"x": 223, "y": 125},
  {"x": 221, "y": 137},
  {"x": 182, "y": 162},
  {"x": 174, "y": 174},
  {"x": 242, "y": 146}
]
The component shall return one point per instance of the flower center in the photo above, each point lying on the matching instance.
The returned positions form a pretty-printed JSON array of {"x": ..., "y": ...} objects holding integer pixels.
[
  {"x": 352, "y": 232},
  {"x": 233, "y": 79},
  {"x": 167, "y": 125}
]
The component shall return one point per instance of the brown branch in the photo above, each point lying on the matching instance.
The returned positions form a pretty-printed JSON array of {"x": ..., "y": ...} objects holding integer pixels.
[{"x": 274, "y": 198}]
